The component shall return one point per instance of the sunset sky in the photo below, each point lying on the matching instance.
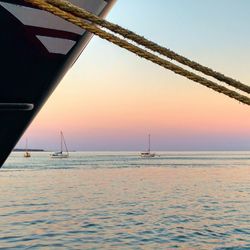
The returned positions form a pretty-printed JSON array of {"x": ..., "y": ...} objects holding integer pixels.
[{"x": 111, "y": 99}]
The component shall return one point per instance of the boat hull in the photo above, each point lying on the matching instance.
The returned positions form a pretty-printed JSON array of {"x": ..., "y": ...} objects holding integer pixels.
[
  {"x": 37, "y": 49},
  {"x": 26, "y": 155},
  {"x": 147, "y": 155},
  {"x": 62, "y": 156}
]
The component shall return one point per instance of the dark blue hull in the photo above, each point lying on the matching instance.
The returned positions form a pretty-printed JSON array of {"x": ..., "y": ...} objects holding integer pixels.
[{"x": 37, "y": 49}]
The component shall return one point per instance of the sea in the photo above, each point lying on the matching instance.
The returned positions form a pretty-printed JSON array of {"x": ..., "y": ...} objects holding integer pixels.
[{"x": 118, "y": 200}]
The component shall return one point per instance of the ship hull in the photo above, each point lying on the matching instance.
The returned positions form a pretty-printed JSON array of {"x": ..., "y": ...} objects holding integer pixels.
[{"x": 37, "y": 49}]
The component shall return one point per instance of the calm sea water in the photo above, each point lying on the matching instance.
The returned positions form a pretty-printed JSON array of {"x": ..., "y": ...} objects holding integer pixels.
[{"x": 117, "y": 200}]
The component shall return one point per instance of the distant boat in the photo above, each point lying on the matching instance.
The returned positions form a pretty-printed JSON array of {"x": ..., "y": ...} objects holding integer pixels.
[
  {"x": 61, "y": 154},
  {"x": 37, "y": 49},
  {"x": 26, "y": 153},
  {"x": 148, "y": 154}
]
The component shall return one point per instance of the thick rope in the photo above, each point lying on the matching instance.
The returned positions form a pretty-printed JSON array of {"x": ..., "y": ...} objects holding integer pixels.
[
  {"x": 76, "y": 11},
  {"x": 137, "y": 50}
]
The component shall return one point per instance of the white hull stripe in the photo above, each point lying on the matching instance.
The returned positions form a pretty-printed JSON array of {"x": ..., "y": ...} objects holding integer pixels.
[
  {"x": 39, "y": 18},
  {"x": 56, "y": 45},
  {"x": 56, "y": 34}
]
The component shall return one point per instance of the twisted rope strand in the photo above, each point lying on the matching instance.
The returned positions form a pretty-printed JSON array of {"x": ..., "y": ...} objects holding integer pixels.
[
  {"x": 76, "y": 11},
  {"x": 138, "y": 51}
]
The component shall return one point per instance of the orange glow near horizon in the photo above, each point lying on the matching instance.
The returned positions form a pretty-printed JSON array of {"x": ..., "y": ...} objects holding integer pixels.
[{"x": 111, "y": 93}]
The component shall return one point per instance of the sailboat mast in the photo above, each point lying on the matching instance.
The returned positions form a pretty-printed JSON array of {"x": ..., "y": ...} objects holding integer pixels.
[
  {"x": 26, "y": 145},
  {"x": 61, "y": 134},
  {"x": 64, "y": 142},
  {"x": 149, "y": 143}
]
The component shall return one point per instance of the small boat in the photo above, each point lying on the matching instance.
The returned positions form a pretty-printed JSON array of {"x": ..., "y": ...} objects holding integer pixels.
[
  {"x": 26, "y": 153},
  {"x": 37, "y": 49},
  {"x": 148, "y": 154},
  {"x": 61, "y": 154}
]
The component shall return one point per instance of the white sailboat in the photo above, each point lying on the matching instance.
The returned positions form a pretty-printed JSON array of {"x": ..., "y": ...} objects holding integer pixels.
[
  {"x": 61, "y": 154},
  {"x": 26, "y": 153},
  {"x": 148, "y": 154}
]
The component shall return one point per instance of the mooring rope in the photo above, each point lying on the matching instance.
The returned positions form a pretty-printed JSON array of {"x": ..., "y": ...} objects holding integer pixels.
[
  {"x": 72, "y": 13},
  {"x": 75, "y": 10}
]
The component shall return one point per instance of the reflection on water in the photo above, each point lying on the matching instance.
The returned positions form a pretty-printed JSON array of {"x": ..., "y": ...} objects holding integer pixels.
[{"x": 119, "y": 201}]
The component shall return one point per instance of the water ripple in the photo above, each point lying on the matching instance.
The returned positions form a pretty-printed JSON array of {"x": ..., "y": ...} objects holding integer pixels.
[{"x": 119, "y": 201}]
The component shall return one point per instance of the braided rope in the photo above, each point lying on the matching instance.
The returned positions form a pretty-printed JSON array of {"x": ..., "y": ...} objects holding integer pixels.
[
  {"x": 137, "y": 50},
  {"x": 70, "y": 8}
]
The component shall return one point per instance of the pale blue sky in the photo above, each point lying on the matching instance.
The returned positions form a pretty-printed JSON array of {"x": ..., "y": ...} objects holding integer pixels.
[{"x": 113, "y": 84}]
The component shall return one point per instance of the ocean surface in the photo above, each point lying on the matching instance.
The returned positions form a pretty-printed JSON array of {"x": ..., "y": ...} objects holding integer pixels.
[{"x": 117, "y": 200}]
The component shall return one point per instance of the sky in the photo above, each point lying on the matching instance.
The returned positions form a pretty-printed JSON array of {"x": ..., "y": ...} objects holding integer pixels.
[{"x": 111, "y": 99}]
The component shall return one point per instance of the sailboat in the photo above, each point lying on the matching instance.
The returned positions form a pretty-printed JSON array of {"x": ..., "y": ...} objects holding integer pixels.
[
  {"x": 147, "y": 153},
  {"x": 61, "y": 154},
  {"x": 26, "y": 154},
  {"x": 31, "y": 68}
]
